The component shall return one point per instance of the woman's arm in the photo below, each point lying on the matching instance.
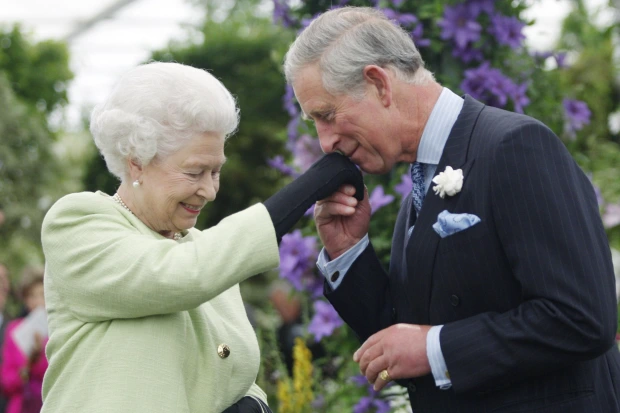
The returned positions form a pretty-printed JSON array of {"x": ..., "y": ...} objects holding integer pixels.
[{"x": 101, "y": 266}]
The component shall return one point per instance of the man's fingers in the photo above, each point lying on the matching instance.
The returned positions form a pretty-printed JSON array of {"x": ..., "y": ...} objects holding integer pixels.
[
  {"x": 379, "y": 383},
  {"x": 328, "y": 210},
  {"x": 340, "y": 198},
  {"x": 370, "y": 355},
  {"x": 371, "y": 341},
  {"x": 375, "y": 367}
]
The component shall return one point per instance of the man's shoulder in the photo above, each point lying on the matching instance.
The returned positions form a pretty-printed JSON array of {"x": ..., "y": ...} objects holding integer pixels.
[{"x": 506, "y": 120}]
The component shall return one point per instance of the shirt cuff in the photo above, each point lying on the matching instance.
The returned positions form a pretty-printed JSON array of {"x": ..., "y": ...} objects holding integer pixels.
[
  {"x": 334, "y": 271},
  {"x": 436, "y": 360}
]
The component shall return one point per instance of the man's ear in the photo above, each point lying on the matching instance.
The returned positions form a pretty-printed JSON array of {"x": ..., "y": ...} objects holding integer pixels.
[{"x": 381, "y": 82}]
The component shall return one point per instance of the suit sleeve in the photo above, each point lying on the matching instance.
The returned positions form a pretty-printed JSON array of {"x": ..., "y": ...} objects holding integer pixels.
[
  {"x": 362, "y": 299},
  {"x": 104, "y": 268},
  {"x": 547, "y": 219}
]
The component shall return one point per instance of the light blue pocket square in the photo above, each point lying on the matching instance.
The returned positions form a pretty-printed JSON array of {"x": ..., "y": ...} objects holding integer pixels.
[{"x": 448, "y": 224}]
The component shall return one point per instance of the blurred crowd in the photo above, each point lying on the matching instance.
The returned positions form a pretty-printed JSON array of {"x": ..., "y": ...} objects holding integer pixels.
[{"x": 23, "y": 334}]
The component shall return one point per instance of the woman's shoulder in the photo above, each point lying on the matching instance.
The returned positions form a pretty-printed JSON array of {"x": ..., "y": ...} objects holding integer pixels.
[
  {"x": 81, "y": 198},
  {"x": 78, "y": 205},
  {"x": 82, "y": 201}
]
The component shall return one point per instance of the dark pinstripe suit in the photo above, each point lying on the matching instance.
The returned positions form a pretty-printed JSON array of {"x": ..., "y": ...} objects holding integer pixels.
[{"x": 526, "y": 297}]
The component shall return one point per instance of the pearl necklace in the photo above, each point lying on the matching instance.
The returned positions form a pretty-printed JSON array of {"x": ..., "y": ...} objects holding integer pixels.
[{"x": 116, "y": 197}]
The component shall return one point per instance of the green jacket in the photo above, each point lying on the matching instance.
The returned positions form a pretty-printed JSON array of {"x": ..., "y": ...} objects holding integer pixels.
[{"x": 136, "y": 319}]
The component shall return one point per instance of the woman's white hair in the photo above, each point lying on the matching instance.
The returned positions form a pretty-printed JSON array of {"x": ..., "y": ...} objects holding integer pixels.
[
  {"x": 154, "y": 109},
  {"x": 344, "y": 41}
]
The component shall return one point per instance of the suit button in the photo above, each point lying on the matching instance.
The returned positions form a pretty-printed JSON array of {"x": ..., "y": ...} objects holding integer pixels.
[
  {"x": 335, "y": 276},
  {"x": 223, "y": 351},
  {"x": 411, "y": 387},
  {"x": 454, "y": 300}
]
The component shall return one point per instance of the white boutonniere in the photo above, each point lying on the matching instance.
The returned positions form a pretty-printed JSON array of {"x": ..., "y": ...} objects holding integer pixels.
[{"x": 449, "y": 182}]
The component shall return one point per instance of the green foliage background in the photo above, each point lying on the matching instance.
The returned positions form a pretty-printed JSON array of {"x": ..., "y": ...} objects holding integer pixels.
[
  {"x": 39, "y": 162},
  {"x": 33, "y": 80}
]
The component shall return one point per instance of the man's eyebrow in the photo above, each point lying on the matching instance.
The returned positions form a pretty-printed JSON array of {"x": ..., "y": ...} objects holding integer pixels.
[{"x": 317, "y": 113}]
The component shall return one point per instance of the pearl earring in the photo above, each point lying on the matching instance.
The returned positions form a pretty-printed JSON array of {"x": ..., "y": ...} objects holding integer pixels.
[{"x": 136, "y": 183}]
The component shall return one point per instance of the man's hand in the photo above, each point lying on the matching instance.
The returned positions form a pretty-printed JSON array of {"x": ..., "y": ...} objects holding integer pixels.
[
  {"x": 341, "y": 220},
  {"x": 399, "y": 349},
  {"x": 320, "y": 181}
]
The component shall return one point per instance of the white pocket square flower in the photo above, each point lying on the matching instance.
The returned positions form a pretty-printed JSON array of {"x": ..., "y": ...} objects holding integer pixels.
[{"x": 449, "y": 182}]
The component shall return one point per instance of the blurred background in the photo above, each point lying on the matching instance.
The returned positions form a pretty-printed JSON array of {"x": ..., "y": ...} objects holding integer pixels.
[{"x": 556, "y": 60}]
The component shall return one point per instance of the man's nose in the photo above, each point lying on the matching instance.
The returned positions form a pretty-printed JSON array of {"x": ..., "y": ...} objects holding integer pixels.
[{"x": 327, "y": 138}]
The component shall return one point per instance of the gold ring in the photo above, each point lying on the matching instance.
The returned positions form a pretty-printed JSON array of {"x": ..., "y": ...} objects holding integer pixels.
[{"x": 385, "y": 376}]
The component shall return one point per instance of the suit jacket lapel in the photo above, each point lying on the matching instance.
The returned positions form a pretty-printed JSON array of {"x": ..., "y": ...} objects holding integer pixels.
[{"x": 422, "y": 247}]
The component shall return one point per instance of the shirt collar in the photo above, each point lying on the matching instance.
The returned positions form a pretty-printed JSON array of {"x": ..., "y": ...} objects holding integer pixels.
[{"x": 438, "y": 127}]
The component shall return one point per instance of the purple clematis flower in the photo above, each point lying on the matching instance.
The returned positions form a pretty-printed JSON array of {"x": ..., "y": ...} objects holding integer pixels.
[
  {"x": 369, "y": 404},
  {"x": 405, "y": 186},
  {"x": 560, "y": 60},
  {"x": 611, "y": 216},
  {"x": 288, "y": 101},
  {"x": 279, "y": 164},
  {"x": 488, "y": 85},
  {"x": 467, "y": 54},
  {"x": 507, "y": 30},
  {"x": 417, "y": 33},
  {"x": 298, "y": 256},
  {"x": 378, "y": 199},
  {"x": 541, "y": 56},
  {"x": 478, "y": 6},
  {"x": 519, "y": 97},
  {"x": 459, "y": 24},
  {"x": 359, "y": 380},
  {"x": 281, "y": 13},
  {"x": 577, "y": 115},
  {"x": 292, "y": 130},
  {"x": 324, "y": 321},
  {"x": 306, "y": 151}
]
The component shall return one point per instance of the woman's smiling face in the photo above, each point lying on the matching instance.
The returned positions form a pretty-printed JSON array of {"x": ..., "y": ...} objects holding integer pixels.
[{"x": 174, "y": 190}]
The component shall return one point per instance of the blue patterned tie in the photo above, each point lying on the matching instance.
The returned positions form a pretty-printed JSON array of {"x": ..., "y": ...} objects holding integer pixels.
[{"x": 417, "y": 193}]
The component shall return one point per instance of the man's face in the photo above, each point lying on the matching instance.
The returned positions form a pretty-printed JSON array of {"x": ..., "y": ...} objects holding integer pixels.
[{"x": 360, "y": 130}]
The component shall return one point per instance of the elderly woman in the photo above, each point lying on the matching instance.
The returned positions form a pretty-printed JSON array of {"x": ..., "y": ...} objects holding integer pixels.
[{"x": 144, "y": 310}]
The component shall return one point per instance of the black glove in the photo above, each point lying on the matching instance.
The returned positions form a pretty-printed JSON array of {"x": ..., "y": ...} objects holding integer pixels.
[
  {"x": 248, "y": 405},
  {"x": 321, "y": 180}
]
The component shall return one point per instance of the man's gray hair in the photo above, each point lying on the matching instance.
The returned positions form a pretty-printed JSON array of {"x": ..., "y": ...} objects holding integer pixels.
[
  {"x": 155, "y": 109},
  {"x": 344, "y": 41}
]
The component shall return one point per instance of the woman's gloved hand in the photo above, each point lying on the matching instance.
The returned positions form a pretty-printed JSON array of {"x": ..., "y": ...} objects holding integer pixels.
[
  {"x": 248, "y": 405},
  {"x": 322, "y": 179}
]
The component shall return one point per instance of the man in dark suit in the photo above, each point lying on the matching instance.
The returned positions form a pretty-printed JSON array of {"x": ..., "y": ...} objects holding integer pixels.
[{"x": 500, "y": 293}]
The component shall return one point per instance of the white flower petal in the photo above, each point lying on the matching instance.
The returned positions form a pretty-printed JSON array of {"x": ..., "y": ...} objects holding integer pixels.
[{"x": 448, "y": 182}]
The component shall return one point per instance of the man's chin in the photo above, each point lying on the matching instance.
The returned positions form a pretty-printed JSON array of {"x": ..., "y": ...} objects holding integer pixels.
[{"x": 373, "y": 169}]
